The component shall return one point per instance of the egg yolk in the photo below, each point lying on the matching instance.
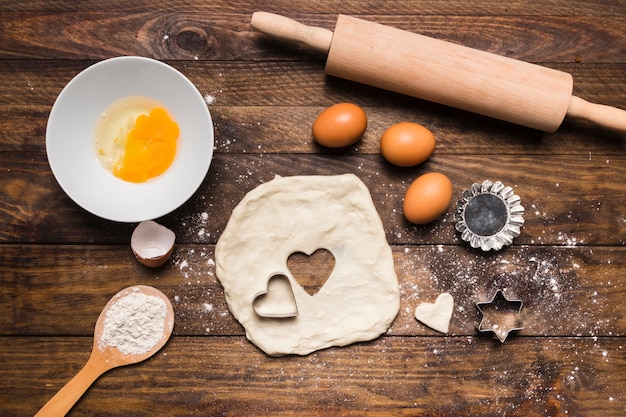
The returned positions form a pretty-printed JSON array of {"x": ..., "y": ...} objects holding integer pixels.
[{"x": 150, "y": 147}]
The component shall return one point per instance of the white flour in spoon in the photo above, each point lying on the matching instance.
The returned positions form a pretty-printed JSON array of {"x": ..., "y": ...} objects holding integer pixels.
[{"x": 134, "y": 324}]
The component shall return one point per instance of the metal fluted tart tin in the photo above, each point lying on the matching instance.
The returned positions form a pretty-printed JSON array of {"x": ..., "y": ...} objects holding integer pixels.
[{"x": 489, "y": 215}]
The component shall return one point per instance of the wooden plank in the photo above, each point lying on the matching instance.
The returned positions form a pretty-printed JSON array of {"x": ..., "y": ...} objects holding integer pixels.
[
  {"x": 391, "y": 376},
  {"x": 566, "y": 291},
  {"x": 33, "y": 83},
  {"x": 34, "y": 208},
  {"x": 425, "y": 7},
  {"x": 228, "y": 36},
  {"x": 287, "y": 129}
]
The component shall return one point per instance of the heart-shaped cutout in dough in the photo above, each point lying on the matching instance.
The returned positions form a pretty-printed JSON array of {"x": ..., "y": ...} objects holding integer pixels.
[
  {"x": 278, "y": 301},
  {"x": 311, "y": 270},
  {"x": 436, "y": 315}
]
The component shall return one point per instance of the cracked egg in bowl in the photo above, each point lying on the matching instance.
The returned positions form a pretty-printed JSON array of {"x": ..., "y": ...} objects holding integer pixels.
[{"x": 130, "y": 139}]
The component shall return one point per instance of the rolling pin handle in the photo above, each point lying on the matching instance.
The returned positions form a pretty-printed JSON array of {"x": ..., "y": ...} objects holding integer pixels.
[
  {"x": 605, "y": 116},
  {"x": 281, "y": 27}
]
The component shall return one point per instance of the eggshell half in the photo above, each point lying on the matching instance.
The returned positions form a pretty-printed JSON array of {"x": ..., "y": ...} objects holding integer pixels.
[{"x": 152, "y": 243}]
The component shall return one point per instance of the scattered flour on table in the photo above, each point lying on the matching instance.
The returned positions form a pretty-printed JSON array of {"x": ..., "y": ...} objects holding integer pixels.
[
  {"x": 134, "y": 324},
  {"x": 550, "y": 282},
  {"x": 198, "y": 306},
  {"x": 209, "y": 99}
]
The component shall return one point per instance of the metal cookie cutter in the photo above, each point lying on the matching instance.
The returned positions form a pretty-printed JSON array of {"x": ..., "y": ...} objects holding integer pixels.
[
  {"x": 500, "y": 316},
  {"x": 489, "y": 215},
  {"x": 278, "y": 300}
]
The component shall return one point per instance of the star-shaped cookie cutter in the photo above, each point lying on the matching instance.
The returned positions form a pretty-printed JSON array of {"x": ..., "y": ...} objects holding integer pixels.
[{"x": 500, "y": 316}]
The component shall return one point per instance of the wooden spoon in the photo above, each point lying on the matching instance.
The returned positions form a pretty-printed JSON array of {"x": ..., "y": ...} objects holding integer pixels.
[{"x": 104, "y": 357}]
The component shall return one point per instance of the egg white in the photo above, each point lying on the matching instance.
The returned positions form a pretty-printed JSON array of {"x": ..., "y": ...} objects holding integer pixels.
[{"x": 113, "y": 126}]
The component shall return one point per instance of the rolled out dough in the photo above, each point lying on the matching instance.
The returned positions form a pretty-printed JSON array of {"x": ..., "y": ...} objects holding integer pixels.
[{"x": 361, "y": 297}]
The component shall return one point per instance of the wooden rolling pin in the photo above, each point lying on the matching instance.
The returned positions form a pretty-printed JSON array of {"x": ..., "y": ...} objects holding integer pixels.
[{"x": 443, "y": 72}]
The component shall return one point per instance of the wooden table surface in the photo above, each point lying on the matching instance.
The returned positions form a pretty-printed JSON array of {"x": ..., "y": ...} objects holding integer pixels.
[{"x": 59, "y": 264}]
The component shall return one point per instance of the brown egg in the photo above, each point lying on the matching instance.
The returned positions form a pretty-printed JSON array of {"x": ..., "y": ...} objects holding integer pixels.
[
  {"x": 152, "y": 243},
  {"x": 340, "y": 125},
  {"x": 427, "y": 198},
  {"x": 407, "y": 144}
]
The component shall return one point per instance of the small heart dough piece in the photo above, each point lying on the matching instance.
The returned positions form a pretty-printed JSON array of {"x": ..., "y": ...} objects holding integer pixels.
[{"x": 436, "y": 316}]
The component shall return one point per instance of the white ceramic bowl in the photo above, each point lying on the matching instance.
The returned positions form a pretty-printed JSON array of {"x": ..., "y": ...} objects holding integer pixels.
[{"x": 70, "y": 139}]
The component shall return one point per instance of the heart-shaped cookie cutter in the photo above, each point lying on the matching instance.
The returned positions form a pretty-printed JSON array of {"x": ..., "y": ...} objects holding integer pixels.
[{"x": 278, "y": 300}]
